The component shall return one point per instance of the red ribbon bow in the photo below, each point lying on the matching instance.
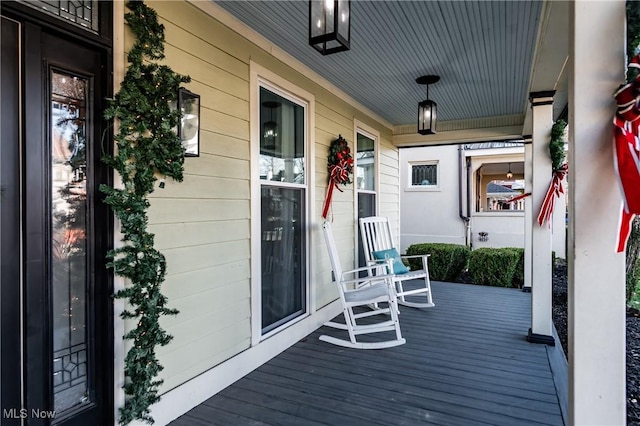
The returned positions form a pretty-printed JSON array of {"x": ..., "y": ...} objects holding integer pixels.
[
  {"x": 626, "y": 148},
  {"x": 554, "y": 191},
  {"x": 338, "y": 174},
  {"x": 627, "y": 165}
]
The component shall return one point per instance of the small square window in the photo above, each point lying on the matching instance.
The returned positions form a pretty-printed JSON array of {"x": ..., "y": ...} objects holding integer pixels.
[{"x": 424, "y": 175}]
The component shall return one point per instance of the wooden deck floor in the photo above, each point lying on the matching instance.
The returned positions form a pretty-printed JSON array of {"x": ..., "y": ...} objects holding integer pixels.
[{"x": 466, "y": 362}]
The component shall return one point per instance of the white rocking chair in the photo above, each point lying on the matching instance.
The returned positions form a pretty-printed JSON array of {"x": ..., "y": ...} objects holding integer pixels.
[
  {"x": 362, "y": 291},
  {"x": 376, "y": 237}
]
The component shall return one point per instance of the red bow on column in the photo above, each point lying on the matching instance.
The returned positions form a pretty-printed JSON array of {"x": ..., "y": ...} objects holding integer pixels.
[
  {"x": 554, "y": 191},
  {"x": 627, "y": 153}
]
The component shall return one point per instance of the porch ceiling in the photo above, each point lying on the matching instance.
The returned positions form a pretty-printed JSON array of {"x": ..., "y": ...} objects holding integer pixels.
[{"x": 486, "y": 52}]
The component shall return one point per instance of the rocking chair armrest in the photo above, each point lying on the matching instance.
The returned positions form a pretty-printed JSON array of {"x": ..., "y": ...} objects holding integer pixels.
[
  {"x": 375, "y": 278},
  {"x": 370, "y": 268},
  {"x": 376, "y": 263},
  {"x": 414, "y": 256}
]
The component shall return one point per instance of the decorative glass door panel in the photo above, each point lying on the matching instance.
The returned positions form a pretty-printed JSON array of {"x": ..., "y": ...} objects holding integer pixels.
[
  {"x": 283, "y": 209},
  {"x": 69, "y": 230}
]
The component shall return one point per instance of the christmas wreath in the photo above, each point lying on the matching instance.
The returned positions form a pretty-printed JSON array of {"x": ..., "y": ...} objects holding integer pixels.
[
  {"x": 340, "y": 166},
  {"x": 560, "y": 169}
]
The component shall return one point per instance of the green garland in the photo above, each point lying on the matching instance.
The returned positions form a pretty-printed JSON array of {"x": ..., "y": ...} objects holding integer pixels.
[
  {"x": 147, "y": 145},
  {"x": 633, "y": 36},
  {"x": 556, "y": 145}
]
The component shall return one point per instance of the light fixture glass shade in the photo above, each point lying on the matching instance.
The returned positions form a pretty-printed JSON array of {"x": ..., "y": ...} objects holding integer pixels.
[
  {"x": 270, "y": 133},
  {"x": 509, "y": 173},
  {"x": 330, "y": 25},
  {"x": 427, "y": 111}
]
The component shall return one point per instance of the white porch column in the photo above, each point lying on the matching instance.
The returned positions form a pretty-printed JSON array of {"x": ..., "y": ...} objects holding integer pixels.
[
  {"x": 542, "y": 113},
  {"x": 596, "y": 272},
  {"x": 528, "y": 213},
  {"x": 558, "y": 229}
]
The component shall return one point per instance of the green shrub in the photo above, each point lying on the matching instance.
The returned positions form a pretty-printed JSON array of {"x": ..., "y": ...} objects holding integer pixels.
[
  {"x": 633, "y": 261},
  {"x": 518, "y": 275},
  {"x": 493, "y": 266},
  {"x": 446, "y": 261}
]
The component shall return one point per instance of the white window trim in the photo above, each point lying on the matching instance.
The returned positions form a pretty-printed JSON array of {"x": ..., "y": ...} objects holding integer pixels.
[
  {"x": 370, "y": 132},
  {"x": 422, "y": 188},
  {"x": 262, "y": 77}
]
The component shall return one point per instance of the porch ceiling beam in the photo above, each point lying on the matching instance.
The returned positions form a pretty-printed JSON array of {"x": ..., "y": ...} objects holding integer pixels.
[
  {"x": 549, "y": 70},
  {"x": 456, "y": 137}
]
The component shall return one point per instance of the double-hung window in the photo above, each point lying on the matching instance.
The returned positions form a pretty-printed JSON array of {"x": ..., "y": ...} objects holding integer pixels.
[{"x": 282, "y": 179}]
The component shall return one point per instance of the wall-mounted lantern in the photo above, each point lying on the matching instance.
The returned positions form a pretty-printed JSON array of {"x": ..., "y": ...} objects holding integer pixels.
[{"x": 189, "y": 128}]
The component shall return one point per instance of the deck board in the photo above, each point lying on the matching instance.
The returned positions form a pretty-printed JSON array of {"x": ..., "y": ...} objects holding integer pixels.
[{"x": 466, "y": 362}]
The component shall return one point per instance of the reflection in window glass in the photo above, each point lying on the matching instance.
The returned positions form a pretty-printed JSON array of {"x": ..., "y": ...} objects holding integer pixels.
[
  {"x": 281, "y": 139},
  {"x": 69, "y": 228},
  {"x": 283, "y": 210},
  {"x": 283, "y": 255},
  {"x": 365, "y": 161},
  {"x": 424, "y": 174}
]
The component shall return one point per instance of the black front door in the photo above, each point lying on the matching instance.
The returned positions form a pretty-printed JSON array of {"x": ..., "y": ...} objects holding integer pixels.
[{"x": 56, "y": 342}]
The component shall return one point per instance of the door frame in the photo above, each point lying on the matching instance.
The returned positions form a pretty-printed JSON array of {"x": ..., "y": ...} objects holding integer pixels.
[
  {"x": 37, "y": 375},
  {"x": 10, "y": 296}
]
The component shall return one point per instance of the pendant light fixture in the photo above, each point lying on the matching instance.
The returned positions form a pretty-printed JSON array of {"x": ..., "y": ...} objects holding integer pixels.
[
  {"x": 270, "y": 128},
  {"x": 509, "y": 174},
  {"x": 427, "y": 109},
  {"x": 330, "y": 25}
]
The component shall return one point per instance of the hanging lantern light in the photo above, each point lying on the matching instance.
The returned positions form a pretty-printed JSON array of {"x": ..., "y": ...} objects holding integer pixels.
[
  {"x": 427, "y": 109},
  {"x": 329, "y": 25},
  {"x": 270, "y": 128},
  {"x": 509, "y": 173}
]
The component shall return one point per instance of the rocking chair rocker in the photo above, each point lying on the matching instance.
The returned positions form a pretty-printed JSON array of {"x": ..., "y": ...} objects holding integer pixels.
[
  {"x": 377, "y": 243},
  {"x": 357, "y": 291}
]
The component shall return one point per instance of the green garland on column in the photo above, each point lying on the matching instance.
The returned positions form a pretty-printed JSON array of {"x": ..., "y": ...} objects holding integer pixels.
[
  {"x": 556, "y": 145},
  {"x": 147, "y": 145}
]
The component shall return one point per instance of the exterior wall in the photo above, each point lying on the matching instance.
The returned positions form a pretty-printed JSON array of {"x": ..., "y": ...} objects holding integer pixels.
[
  {"x": 503, "y": 229},
  {"x": 203, "y": 224},
  {"x": 430, "y": 214}
]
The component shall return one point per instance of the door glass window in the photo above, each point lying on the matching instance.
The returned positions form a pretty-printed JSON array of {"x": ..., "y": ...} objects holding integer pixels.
[
  {"x": 80, "y": 12},
  {"x": 69, "y": 228},
  {"x": 283, "y": 216}
]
